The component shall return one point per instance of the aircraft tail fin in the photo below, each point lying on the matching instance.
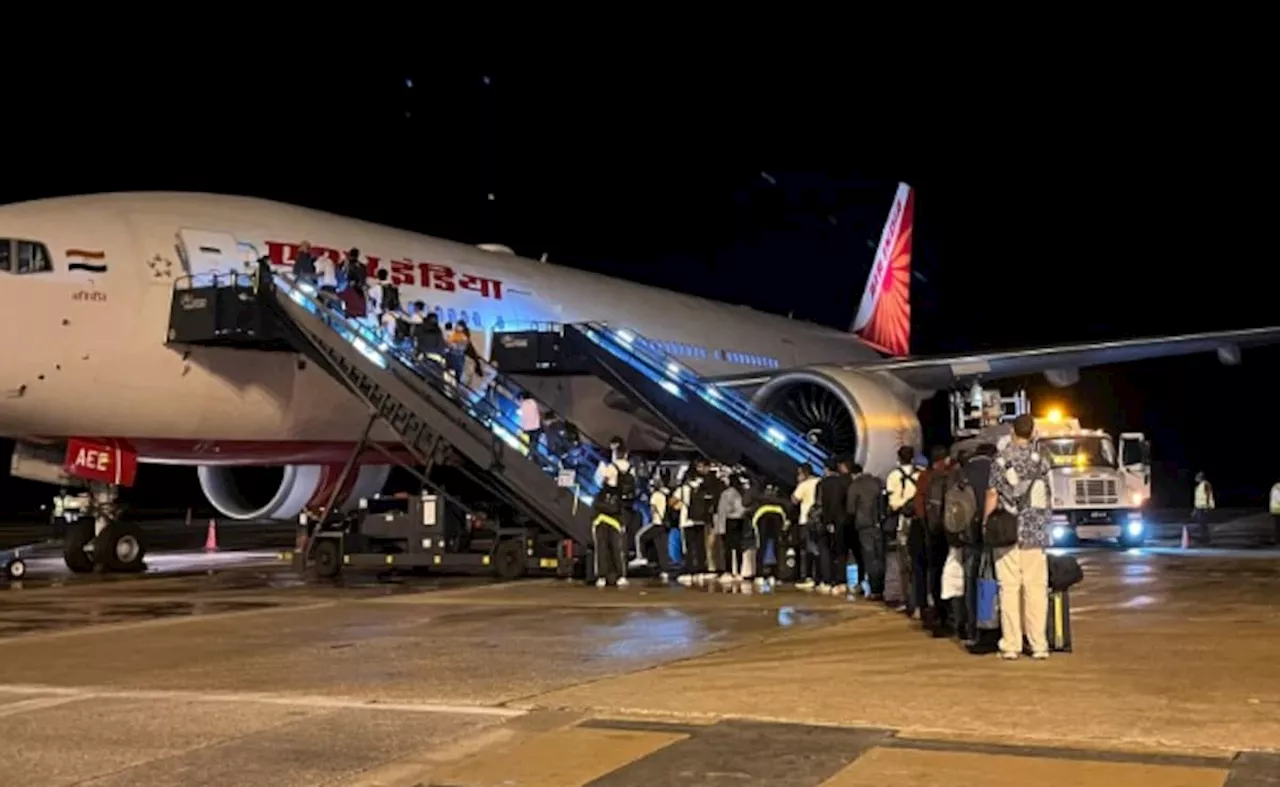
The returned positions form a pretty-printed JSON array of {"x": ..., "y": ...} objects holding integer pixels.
[{"x": 883, "y": 319}]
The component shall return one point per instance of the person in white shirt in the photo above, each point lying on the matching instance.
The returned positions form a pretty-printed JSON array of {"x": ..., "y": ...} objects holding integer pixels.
[
  {"x": 803, "y": 496},
  {"x": 530, "y": 419},
  {"x": 327, "y": 274}
]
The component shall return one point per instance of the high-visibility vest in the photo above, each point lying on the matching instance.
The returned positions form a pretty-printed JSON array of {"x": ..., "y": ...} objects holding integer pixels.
[
  {"x": 1204, "y": 496},
  {"x": 765, "y": 510},
  {"x": 605, "y": 519},
  {"x": 1275, "y": 499}
]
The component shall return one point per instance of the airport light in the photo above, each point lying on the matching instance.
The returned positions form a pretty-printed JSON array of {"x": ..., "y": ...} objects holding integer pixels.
[
  {"x": 1059, "y": 533},
  {"x": 1135, "y": 529},
  {"x": 1138, "y": 498},
  {"x": 1055, "y": 416}
]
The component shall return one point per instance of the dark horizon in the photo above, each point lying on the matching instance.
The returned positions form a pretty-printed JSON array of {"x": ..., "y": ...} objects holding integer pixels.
[{"x": 1075, "y": 214}]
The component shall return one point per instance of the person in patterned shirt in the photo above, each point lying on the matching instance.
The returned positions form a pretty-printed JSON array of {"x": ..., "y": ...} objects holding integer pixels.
[{"x": 1020, "y": 484}]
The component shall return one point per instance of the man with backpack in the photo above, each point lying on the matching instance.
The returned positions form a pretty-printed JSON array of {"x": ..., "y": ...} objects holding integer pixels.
[
  {"x": 932, "y": 547},
  {"x": 615, "y": 509},
  {"x": 833, "y": 552},
  {"x": 865, "y": 497},
  {"x": 978, "y": 470},
  {"x": 1020, "y": 487},
  {"x": 902, "y": 485}
]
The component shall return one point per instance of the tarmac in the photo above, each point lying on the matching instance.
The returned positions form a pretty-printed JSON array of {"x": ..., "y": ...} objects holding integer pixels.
[{"x": 227, "y": 669}]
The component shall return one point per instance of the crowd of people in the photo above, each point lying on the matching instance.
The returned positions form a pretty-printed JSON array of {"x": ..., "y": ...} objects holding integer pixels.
[{"x": 920, "y": 540}]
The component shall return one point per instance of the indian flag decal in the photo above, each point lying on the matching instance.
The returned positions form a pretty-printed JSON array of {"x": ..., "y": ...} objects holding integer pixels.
[{"x": 83, "y": 260}]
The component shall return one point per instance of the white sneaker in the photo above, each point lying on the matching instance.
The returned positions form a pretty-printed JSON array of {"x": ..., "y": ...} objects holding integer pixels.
[
  {"x": 805, "y": 584},
  {"x": 773, "y": 581},
  {"x": 622, "y": 582},
  {"x": 1042, "y": 656},
  {"x": 601, "y": 583},
  {"x": 685, "y": 579},
  {"x": 1008, "y": 655},
  {"x": 664, "y": 577},
  {"x": 839, "y": 590},
  {"x": 727, "y": 579},
  {"x": 760, "y": 582},
  {"x": 824, "y": 588}
]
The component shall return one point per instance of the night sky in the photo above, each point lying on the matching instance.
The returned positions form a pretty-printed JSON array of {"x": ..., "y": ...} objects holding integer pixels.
[{"x": 1052, "y": 205}]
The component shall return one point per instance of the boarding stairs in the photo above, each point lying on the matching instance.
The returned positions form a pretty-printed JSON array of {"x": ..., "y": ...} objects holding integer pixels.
[{"x": 425, "y": 407}]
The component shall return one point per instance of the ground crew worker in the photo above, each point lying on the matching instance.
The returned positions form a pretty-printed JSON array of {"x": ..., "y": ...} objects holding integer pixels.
[
  {"x": 767, "y": 523},
  {"x": 1275, "y": 514},
  {"x": 1204, "y": 503}
]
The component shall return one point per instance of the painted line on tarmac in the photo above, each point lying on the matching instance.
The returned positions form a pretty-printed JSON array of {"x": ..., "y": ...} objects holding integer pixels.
[
  {"x": 34, "y": 704},
  {"x": 69, "y": 694},
  {"x": 107, "y": 628}
]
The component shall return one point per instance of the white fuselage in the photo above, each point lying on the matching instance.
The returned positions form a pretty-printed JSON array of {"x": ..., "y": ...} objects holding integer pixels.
[{"x": 85, "y": 351}]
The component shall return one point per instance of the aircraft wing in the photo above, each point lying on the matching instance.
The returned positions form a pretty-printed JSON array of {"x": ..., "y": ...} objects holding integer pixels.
[{"x": 1061, "y": 364}]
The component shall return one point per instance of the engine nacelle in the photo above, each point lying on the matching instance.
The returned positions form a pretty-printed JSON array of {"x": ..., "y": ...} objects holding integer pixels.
[
  {"x": 246, "y": 492},
  {"x": 866, "y": 415}
]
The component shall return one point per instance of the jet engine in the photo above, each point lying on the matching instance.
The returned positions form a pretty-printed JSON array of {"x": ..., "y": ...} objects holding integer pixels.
[
  {"x": 283, "y": 492},
  {"x": 867, "y": 416}
]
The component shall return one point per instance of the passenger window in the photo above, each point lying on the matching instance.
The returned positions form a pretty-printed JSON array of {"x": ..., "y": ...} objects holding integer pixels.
[
  {"x": 33, "y": 257},
  {"x": 5, "y": 246}
]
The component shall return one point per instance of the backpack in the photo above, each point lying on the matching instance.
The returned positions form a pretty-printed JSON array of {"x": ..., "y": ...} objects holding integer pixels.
[
  {"x": 626, "y": 485},
  {"x": 960, "y": 509},
  {"x": 935, "y": 500},
  {"x": 390, "y": 297},
  {"x": 904, "y": 477}
]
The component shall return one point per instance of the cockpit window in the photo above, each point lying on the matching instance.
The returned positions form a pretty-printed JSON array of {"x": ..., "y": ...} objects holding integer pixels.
[{"x": 24, "y": 256}]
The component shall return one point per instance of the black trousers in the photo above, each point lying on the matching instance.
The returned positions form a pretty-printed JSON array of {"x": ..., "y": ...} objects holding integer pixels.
[
  {"x": 659, "y": 537},
  {"x": 769, "y": 531},
  {"x": 871, "y": 566},
  {"x": 1200, "y": 517},
  {"x": 611, "y": 560},
  {"x": 733, "y": 539},
  {"x": 695, "y": 548},
  {"x": 832, "y": 554},
  {"x": 918, "y": 560}
]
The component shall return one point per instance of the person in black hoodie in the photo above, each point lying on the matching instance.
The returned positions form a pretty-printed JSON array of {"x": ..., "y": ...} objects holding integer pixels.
[
  {"x": 832, "y": 494},
  {"x": 304, "y": 265},
  {"x": 978, "y": 471},
  {"x": 428, "y": 339}
]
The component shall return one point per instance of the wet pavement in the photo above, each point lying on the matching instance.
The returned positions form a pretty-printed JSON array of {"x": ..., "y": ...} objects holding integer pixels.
[{"x": 249, "y": 676}]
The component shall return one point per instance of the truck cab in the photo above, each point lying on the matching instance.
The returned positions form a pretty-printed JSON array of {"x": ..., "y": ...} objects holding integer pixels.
[{"x": 1100, "y": 486}]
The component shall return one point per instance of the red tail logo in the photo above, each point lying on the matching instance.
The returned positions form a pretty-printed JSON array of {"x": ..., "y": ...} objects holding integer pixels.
[{"x": 884, "y": 314}]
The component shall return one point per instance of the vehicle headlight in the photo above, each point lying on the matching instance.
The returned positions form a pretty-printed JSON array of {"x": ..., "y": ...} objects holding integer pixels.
[
  {"x": 1135, "y": 528},
  {"x": 1059, "y": 533}
]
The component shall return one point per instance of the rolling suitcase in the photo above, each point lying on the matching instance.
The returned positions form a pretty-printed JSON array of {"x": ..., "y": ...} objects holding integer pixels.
[{"x": 1058, "y": 623}]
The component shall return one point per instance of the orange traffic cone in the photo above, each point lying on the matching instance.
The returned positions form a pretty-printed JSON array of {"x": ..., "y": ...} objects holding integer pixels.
[
  {"x": 1186, "y": 538},
  {"x": 211, "y": 537}
]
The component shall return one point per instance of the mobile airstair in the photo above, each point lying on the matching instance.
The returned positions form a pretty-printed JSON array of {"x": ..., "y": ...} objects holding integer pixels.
[{"x": 425, "y": 407}]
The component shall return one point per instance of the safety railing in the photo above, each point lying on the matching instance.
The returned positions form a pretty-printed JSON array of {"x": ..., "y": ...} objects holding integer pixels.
[
  {"x": 682, "y": 382},
  {"x": 496, "y": 407}
]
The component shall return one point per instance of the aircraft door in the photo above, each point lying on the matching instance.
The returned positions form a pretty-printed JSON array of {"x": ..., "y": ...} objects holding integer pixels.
[{"x": 205, "y": 252}]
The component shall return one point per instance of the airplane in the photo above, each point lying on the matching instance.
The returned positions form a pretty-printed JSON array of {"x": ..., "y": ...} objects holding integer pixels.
[{"x": 95, "y": 391}]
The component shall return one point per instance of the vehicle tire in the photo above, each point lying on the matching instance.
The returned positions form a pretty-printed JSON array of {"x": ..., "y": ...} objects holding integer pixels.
[
  {"x": 16, "y": 569},
  {"x": 328, "y": 559},
  {"x": 121, "y": 548},
  {"x": 508, "y": 559},
  {"x": 79, "y": 534}
]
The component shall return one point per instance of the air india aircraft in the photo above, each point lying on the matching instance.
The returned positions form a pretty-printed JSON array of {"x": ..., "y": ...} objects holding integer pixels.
[{"x": 88, "y": 386}]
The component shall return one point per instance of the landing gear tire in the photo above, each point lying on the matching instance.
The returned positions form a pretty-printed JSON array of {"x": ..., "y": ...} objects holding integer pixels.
[
  {"x": 16, "y": 569},
  {"x": 79, "y": 535},
  {"x": 508, "y": 559},
  {"x": 328, "y": 558},
  {"x": 120, "y": 548}
]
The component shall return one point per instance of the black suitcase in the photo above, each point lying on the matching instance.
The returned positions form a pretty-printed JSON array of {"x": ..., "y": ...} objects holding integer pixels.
[{"x": 1058, "y": 623}]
